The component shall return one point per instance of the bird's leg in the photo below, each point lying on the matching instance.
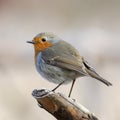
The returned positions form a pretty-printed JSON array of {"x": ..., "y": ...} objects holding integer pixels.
[
  {"x": 58, "y": 86},
  {"x": 71, "y": 88}
]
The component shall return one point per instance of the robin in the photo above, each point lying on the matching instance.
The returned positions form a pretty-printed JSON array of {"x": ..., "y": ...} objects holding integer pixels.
[{"x": 59, "y": 62}]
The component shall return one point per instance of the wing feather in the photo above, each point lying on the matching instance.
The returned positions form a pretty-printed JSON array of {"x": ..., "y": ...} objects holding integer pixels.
[{"x": 66, "y": 63}]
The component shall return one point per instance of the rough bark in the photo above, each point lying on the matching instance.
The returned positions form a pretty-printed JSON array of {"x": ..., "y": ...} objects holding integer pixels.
[{"x": 62, "y": 107}]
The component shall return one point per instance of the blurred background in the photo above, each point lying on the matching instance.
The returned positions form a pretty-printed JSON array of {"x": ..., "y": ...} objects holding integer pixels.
[{"x": 92, "y": 26}]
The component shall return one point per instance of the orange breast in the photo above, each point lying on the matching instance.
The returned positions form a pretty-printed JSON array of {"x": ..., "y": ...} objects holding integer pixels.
[{"x": 41, "y": 46}]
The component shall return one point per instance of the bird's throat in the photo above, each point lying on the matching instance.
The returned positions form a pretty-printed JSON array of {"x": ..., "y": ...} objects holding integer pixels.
[{"x": 42, "y": 46}]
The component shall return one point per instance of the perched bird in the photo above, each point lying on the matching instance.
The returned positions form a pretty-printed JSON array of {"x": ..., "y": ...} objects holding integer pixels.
[{"x": 59, "y": 62}]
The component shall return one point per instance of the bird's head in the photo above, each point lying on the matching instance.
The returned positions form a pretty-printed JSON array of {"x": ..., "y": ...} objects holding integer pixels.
[{"x": 43, "y": 41}]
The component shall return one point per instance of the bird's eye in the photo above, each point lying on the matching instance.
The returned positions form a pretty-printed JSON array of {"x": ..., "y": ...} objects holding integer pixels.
[{"x": 43, "y": 39}]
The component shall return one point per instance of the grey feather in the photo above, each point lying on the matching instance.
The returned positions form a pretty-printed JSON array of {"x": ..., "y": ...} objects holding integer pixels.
[
  {"x": 93, "y": 73},
  {"x": 65, "y": 56}
]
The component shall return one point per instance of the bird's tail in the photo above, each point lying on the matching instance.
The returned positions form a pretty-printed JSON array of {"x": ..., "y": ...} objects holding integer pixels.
[{"x": 91, "y": 72}]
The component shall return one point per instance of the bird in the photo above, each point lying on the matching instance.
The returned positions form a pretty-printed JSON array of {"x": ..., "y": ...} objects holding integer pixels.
[{"x": 59, "y": 62}]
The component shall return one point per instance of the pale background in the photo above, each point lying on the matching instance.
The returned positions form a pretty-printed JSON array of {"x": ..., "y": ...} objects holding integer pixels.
[{"x": 92, "y": 26}]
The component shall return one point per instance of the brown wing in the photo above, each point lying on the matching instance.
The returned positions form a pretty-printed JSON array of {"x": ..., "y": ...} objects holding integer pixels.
[
  {"x": 64, "y": 55},
  {"x": 67, "y": 63}
]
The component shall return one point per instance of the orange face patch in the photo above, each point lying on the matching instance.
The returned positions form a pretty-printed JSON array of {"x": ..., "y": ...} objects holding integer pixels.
[{"x": 41, "y": 43}]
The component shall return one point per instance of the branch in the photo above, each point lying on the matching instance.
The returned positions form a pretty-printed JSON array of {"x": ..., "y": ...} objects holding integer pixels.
[{"x": 61, "y": 107}]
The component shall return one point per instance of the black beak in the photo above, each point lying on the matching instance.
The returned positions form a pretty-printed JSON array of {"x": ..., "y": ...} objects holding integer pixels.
[{"x": 30, "y": 42}]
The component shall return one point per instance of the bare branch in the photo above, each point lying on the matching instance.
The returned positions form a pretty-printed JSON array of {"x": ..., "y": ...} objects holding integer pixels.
[{"x": 61, "y": 107}]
